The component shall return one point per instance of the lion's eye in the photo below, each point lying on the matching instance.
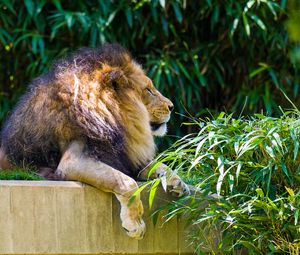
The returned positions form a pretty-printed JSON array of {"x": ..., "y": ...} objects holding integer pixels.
[{"x": 150, "y": 91}]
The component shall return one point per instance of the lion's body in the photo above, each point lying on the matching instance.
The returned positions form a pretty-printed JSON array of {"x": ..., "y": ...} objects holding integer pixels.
[
  {"x": 48, "y": 117},
  {"x": 91, "y": 118}
]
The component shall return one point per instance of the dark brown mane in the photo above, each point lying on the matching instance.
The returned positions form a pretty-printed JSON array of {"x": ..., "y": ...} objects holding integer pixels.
[{"x": 87, "y": 59}]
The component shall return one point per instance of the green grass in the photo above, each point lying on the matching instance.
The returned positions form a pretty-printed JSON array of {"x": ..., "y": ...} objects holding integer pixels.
[
  {"x": 20, "y": 174},
  {"x": 253, "y": 165}
]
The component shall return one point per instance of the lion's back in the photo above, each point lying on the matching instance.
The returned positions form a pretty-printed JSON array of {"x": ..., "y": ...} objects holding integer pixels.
[{"x": 35, "y": 128}]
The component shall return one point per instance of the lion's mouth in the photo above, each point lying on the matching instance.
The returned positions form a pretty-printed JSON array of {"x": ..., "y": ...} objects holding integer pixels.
[{"x": 155, "y": 126}]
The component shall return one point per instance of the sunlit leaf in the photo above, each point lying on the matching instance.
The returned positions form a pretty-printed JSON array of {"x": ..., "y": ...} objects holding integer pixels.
[
  {"x": 152, "y": 192},
  {"x": 246, "y": 24}
]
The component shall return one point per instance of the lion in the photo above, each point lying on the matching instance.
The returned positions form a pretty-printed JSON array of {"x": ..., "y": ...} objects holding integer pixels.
[{"x": 92, "y": 118}]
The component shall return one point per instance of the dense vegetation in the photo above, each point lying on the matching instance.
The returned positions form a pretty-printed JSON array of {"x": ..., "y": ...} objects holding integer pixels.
[
  {"x": 213, "y": 54},
  {"x": 246, "y": 173},
  {"x": 236, "y": 56}
]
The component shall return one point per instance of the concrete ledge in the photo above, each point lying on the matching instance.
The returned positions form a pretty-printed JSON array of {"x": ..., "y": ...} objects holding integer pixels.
[{"x": 47, "y": 217}]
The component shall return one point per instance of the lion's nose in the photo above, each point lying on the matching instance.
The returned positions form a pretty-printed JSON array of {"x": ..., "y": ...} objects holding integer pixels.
[{"x": 171, "y": 107}]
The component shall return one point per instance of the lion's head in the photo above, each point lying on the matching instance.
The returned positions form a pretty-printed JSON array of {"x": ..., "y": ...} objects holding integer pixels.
[{"x": 130, "y": 87}]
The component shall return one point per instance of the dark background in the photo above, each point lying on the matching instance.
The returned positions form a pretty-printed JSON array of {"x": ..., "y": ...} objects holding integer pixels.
[{"x": 206, "y": 55}]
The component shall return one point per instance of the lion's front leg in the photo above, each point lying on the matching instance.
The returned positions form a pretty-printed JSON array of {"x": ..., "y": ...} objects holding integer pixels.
[
  {"x": 76, "y": 166},
  {"x": 175, "y": 185}
]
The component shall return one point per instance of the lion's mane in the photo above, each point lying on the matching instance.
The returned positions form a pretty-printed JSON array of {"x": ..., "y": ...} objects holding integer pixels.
[{"x": 87, "y": 96}]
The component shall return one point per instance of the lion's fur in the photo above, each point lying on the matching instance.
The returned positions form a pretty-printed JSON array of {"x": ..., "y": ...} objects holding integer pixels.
[{"x": 94, "y": 95}]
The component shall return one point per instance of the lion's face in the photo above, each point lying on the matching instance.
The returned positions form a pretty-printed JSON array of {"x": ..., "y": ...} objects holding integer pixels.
[
  {"x": 158, "y": 106},
  {"x": 134, "y": 89}
]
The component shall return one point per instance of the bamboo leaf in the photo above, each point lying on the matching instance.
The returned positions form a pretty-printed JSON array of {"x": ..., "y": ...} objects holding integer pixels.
[
  {"x": 162, "y": 3},
  {"x": 177, "y": 11},
  {"x": 246, "y": 24},
  {"x": 152, "y": 192},
  {"x": 29, "y": 6},
  {"x": 129, "y": 17},
  {"x": 258, "y": 21}
]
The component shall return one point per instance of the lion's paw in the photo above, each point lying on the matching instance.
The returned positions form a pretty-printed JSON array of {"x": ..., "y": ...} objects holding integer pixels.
[
  {"x": 134, "y": 228},
  {"x": 176, "y": 187},
  {"x": 132, "y": 221}
]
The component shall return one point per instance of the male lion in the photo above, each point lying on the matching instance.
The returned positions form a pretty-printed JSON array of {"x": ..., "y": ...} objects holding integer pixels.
[{"x": 92, "y": 119}]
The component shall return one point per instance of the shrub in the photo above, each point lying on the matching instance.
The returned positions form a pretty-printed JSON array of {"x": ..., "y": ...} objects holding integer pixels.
[{"x": 247, "y": 171}]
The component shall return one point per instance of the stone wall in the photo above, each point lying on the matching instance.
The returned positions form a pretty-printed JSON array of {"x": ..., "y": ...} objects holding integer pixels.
[{"x": 47, "y": 217}]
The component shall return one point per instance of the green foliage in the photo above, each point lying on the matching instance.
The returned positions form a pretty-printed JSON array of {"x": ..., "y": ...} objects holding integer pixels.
[
  {"x": 202, "y": 54},
  {"x": 19, "y": 174},
  {"x": 246, "y": 173},
  {"x": 293, "y": 28}
]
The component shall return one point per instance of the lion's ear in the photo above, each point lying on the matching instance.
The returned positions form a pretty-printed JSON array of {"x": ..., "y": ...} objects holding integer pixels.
[{"x": 115, "y": 78}]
